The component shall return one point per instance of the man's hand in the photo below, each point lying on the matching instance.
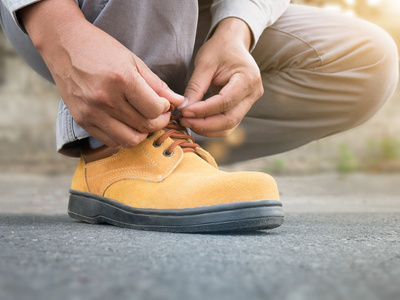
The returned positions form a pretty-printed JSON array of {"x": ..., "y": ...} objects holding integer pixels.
[
  {"x": 109, "y": 91},
  {"x": 224, "y": 65}
]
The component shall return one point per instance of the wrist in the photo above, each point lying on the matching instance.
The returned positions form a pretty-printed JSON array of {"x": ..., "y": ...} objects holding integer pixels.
[
  {"x": 234, "y": 29},
  {"x": 46, "y": 21}
]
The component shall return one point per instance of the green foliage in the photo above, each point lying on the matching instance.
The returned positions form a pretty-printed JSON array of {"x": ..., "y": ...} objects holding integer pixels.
[
  {"x": 381, "y": 154},
  {"x": 278, "y": 166},
  {"x": 347, "y": 161},
  {"x": 390, "y": 148}
]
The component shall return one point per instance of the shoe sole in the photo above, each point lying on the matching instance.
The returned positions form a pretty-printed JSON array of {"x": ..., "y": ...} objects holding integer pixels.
[{"x": 239, "y": 216}]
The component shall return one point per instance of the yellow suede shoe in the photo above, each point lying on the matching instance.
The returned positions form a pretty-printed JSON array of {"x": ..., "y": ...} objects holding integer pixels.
[{"x": 169, "y": 183}]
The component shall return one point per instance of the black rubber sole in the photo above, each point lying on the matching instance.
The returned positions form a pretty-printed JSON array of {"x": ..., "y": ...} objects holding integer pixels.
[{"x": 250, "y": 215}]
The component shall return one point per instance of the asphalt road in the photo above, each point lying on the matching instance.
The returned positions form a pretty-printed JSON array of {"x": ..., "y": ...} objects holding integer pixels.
[{"x": 340, "y": 240}]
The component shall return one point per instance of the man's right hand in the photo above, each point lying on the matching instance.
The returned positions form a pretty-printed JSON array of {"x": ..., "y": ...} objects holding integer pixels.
[{"x": 109, "y": 91}]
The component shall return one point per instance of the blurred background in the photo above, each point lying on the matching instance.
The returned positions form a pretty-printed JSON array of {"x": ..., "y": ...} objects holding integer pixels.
[{"x": 29, "y": 106}]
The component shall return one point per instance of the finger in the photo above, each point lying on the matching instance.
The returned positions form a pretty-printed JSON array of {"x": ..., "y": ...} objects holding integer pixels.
[
  {"x": 143, "y": 98},
  {"x": 120, "y": 133},
  {"x": 220, "y": 134},
  {"x": 229, "y": 96},
  {"x": 208, "y": 126},
  {"x": 132, "y": 118},
  {"x": 213, "y": 126},
  {"x": 101, "y": 136},
  {"x": 198, "y": 85},
  {"x": 159, "y": 86}
]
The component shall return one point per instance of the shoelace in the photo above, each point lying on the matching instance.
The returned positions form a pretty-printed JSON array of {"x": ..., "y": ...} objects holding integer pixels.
[{"x": 176, "y": 132}]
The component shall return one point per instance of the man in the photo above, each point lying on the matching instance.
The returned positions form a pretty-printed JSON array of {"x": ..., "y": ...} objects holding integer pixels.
[{"x": 121, "y": 68}]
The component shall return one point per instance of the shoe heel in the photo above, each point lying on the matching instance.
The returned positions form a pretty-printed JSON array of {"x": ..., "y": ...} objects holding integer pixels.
[{"x": 84, "y": 209}]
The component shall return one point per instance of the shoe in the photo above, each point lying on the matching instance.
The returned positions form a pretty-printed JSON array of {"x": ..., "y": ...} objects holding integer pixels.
[{"x": 169, "y": 183}]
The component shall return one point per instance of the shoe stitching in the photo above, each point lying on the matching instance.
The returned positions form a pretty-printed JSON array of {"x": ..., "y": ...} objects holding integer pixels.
[
  {"x": 119, "y": 169},
  {"x": 139, "y": 174},
  {"x": 85, "y": 176},
  {"x": 136, "y": 176},
  {"x": 153, "y": 163},
  {"x": 188, "y": 146},
  {"x": 144, "y": 173},
  {"x": 107, "y": 160}
]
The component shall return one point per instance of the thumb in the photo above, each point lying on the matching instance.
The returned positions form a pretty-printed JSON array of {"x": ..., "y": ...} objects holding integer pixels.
[
  {"x": 159, "y": 86},
  {"x": 197, "y": 86}
]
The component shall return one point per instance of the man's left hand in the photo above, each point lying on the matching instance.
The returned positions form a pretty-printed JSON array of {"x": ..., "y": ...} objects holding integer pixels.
[{"x": 224, "y": 65}]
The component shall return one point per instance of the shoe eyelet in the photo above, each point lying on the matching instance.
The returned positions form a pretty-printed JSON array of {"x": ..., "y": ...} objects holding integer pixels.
[
  {"x": 157, "y": 146},
  {"x": 166, "y": 154}
]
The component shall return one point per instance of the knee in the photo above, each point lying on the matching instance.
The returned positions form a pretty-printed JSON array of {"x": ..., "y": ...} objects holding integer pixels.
[
  {"x": 382, "y": 56},
  {"x": 375, "y": 72}
]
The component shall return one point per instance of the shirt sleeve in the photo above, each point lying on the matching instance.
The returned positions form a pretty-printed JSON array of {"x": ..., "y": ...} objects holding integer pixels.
[
  {"x": 13, "y": 6},
  {"x": 258, "y": 14}
]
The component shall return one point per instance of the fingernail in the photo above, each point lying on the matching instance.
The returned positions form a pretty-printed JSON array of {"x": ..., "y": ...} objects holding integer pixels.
[
  {"x": 167, "y": 107},
  {"x": 184, "y": 104}
]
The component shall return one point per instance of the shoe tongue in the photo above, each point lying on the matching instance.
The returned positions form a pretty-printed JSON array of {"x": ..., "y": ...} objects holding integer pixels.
[
  {"x": 194, "y": 162},
  {"x": 206, "y": 156}
]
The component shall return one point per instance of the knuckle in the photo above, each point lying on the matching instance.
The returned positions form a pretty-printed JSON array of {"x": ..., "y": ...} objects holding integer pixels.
[
  {"x": 112, "y": 144},
  {"x": 228, "y": 103},
  {"x": 101, "y": 97},
  {"x": 118, "y": 77},
  {"x": 256, "y": 86},
  {"x": 195, "y": 87},
  {"x": 130, "y": 144},
  {"x": 254, "y": 77},
  {"x": 80, "y": 119},
  {"x": 147, "y": 126},
  {"x": 133, "y": 141},
  {"x": 231, "y": 123},
  {"x": 260, "y": 91},
  {"x": 136, "y": 77},
  {"x": 155, "y": 111},
  {"x": 83, "y": 117},
  {"x": 151, "y": 114},
  {"x": 200, "y": 129},
  {"x": 163, "y": 85}
]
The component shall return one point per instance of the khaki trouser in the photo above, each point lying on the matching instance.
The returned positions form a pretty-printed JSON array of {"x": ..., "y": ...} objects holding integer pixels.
[{"x": 323, "y": 73}]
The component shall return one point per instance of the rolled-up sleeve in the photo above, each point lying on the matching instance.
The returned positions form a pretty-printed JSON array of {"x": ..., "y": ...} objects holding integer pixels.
[
  {"x": 13, "y": 6},
  {"x": 258, "y": 14}
]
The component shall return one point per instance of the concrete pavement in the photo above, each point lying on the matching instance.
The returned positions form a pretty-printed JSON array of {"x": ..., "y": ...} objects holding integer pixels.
[{"x": 340, "y": 240}]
